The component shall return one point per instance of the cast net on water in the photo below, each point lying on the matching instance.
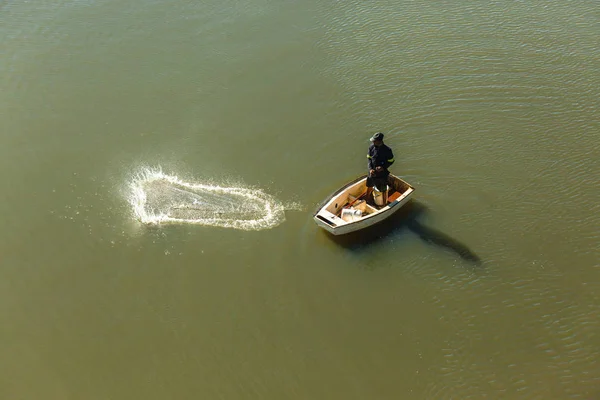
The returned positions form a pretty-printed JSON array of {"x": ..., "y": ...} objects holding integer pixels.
[{"x": 158, "y": 198}]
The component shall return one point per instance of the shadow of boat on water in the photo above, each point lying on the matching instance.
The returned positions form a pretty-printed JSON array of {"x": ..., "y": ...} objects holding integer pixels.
[{"x": 406, "y": 221}]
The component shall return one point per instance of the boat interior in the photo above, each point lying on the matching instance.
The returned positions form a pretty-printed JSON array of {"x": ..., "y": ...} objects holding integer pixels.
[{"x": 354, "y": 197}]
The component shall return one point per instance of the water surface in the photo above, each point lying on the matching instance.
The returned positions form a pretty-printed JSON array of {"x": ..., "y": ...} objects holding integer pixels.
[{"x": 486, "y": 286}]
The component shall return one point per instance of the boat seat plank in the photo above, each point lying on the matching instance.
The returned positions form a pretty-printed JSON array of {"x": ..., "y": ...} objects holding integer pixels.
[
  {"x": 393, "y": 197},
  {"x": 371, "y": 210}
]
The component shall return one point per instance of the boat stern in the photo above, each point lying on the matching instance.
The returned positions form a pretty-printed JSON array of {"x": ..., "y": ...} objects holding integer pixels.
[{"x": 327, "y": 221}]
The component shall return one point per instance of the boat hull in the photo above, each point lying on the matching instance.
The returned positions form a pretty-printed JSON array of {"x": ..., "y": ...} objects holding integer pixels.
[{"x": 328, "y": 216}]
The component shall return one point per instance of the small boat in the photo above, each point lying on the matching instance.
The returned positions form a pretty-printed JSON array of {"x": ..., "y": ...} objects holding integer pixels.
[{"x": 347, "y": 210}]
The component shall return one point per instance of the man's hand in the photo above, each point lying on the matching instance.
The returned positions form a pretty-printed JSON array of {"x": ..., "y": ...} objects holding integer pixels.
[{"x": 372, "y": 172}]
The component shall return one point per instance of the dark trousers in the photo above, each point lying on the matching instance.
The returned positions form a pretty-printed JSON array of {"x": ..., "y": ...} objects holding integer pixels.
[{"x": 379, "y": 180}]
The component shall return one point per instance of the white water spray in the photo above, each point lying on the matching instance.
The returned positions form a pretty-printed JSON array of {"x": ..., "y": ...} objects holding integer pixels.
[{"x": 158, "y": 198}]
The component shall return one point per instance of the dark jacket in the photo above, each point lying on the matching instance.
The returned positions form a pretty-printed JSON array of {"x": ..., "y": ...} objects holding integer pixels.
[{"x": 381, "y": 156}]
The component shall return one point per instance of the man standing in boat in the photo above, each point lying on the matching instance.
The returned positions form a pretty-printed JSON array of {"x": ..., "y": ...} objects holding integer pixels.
[{"x": 380, "y": 158}]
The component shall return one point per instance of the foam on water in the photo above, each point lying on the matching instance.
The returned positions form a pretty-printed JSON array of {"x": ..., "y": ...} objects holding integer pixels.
[{"x": 158, "y": 198}]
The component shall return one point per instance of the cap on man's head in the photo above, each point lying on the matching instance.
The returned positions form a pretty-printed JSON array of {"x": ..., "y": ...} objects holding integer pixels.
[{"x": 377, "y": 136}]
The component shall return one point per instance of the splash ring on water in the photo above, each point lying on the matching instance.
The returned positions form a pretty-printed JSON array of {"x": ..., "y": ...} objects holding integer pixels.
[{"x": 158, "y": 198}]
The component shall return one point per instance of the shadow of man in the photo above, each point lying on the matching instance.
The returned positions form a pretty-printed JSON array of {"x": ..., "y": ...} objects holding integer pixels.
[{"x": 406, "y": 219}]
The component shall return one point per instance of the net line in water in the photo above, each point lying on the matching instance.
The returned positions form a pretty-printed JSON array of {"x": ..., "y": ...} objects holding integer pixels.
[{"x": 158, "y": 198}]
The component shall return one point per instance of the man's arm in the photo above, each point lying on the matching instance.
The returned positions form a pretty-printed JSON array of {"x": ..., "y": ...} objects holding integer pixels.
[
  {"x": 390, "y": 158},
  {"x": 371, "y": 162}
]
